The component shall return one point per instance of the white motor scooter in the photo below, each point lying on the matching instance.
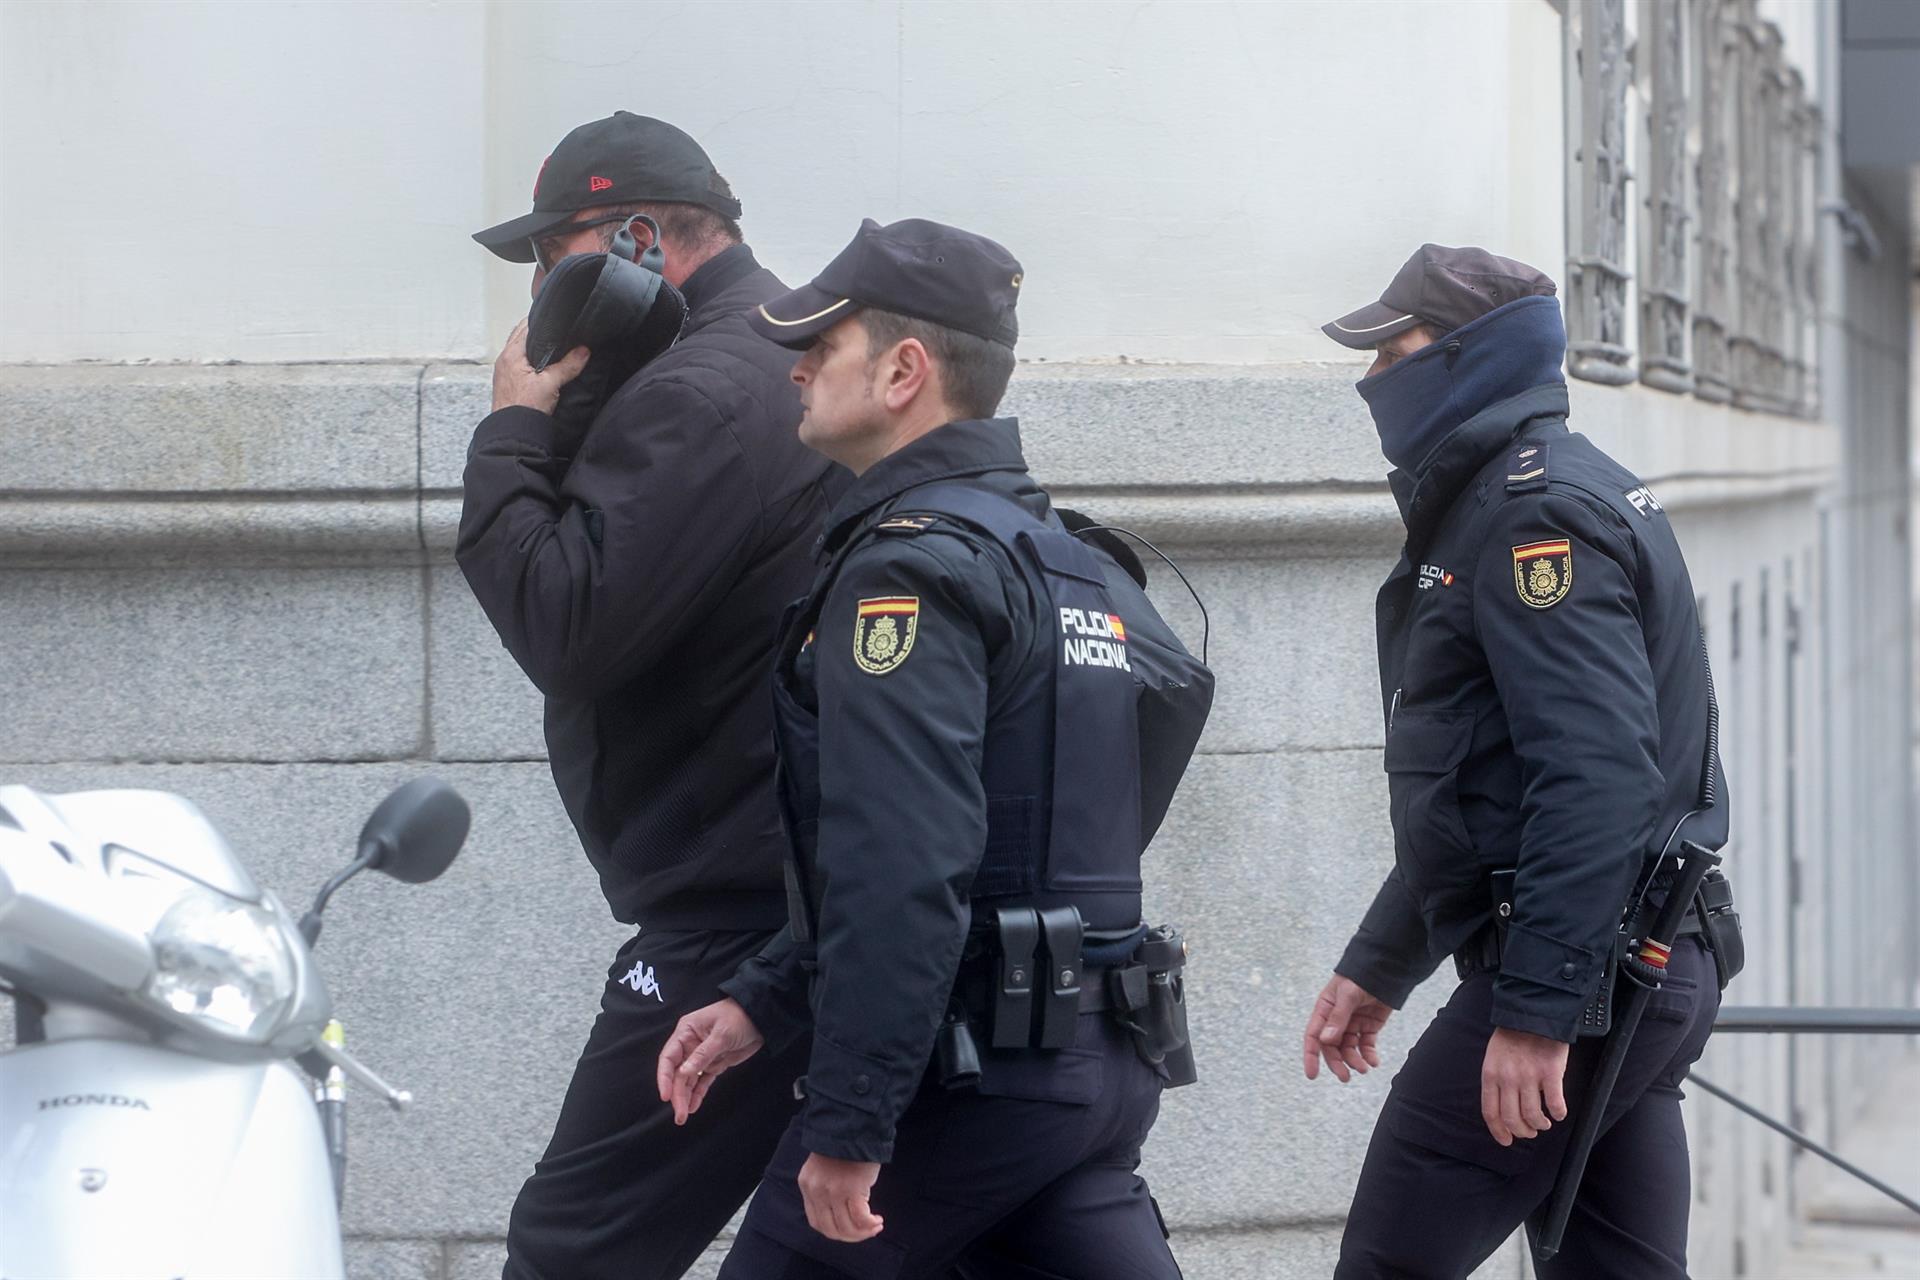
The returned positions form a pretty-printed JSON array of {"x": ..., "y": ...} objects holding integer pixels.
[{"x": 153, "y": 1123}]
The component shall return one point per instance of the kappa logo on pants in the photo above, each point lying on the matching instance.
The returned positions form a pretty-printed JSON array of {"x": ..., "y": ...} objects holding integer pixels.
[{"x": 640, "y": 978}]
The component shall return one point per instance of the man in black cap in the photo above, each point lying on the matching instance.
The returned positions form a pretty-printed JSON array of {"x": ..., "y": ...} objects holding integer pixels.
[
  {"x": 968, "y": 791},
  {"x": 1549, "y": 739},
  {"x": 634, "y": 558}
]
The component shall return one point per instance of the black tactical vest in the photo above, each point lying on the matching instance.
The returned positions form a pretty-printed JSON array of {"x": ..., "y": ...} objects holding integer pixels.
[{"x": 1075, "y": 789}]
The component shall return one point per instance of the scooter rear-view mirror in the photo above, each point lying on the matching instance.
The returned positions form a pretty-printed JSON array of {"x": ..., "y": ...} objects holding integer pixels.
[
  {"x": 413, "y": 836},
  {"x": 416, "y": 832}
]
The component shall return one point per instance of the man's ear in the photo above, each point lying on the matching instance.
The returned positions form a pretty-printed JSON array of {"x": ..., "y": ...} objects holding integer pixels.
[
  {"x": 908, "y": 372},
  {"x": 643, "y": 238}
]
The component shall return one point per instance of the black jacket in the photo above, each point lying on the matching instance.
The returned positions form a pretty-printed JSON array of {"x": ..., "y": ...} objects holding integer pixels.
[
  {"x": 1545, "y": 690},
  {"x": 902, "y": 810},
  {"x": 637, "y": 575}
]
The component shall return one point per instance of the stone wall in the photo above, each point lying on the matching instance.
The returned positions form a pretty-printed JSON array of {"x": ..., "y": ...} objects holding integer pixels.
[{"x": 235, "y": 583}]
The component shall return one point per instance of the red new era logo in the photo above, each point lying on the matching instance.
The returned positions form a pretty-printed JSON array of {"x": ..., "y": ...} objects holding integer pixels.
[{"x": 599, "y": 184}]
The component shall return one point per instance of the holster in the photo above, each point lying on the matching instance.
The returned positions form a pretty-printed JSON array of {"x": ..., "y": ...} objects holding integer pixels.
[{"x": 1149, "y": 999}]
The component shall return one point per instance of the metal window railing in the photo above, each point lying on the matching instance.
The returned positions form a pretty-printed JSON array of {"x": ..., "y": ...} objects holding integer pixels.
[{"x": 1795, "y": 1020}]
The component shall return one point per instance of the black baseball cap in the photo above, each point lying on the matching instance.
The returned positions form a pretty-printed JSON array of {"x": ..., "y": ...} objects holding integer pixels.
[
  {"x": 917, "y": 268},
  {"x": 1443, "y": 287},
  {"x": 623, "y": 159}
]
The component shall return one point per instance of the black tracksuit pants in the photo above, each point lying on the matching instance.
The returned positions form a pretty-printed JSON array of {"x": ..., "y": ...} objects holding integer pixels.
[
  {"x": 1438, "y": 1195},
  {"x": 622, "y": 1193}
]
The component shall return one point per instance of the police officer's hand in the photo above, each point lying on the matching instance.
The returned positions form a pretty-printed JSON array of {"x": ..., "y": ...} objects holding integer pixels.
[
  {"x": 1520, "y": 1094},
  {"x": 703, "y": 1044},
  {"x": 835, "y": 1192},
  {"x": 1344, "y": 1029},
  {"x": 515, "y": 381}
]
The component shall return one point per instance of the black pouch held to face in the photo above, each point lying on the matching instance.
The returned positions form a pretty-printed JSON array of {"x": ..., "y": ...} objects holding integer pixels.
[{"x": 620, "y": 309}]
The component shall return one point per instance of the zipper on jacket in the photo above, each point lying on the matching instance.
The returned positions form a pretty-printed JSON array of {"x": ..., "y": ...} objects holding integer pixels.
[{"x": 1393, "y": 707}]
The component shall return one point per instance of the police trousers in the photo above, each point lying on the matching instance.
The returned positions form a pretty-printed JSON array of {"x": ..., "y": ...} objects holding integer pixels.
[
  {"x": 1438, "y": 1195},
  {"x": 1031, "y": 1177},
  {"x": 622, "y": 1193}
]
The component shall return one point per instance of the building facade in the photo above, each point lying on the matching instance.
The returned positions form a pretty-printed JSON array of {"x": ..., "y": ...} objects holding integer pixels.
[{"x": 244, "y": 346}]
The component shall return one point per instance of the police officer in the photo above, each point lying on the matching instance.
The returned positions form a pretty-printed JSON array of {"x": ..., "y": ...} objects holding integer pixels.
[
  {"x": 958, "y": 716},
  {"x": 1549, "y": 738}
]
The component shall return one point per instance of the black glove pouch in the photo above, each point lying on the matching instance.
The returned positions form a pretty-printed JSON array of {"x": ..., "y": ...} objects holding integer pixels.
[{"x": 623, "y": 311}]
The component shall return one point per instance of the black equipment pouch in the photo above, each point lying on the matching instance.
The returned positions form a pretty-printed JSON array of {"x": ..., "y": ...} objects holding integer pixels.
[
  {"x": 1029, "y": 945},
  {"x": 1063, "y": 931},
  {"x": 956, "y": 1056},
  {"x": 1148, "y": 998},
  {"x": 1721, "y": 927},
  {"x": 1017, "y": 938}
]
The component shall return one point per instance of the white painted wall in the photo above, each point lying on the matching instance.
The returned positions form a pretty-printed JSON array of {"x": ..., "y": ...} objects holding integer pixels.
[
  {"x": 1184, "y": 181},
  {"x": 206, "y": 181}
]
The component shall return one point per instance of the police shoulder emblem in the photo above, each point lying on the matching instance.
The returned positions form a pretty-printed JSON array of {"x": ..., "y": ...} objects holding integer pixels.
[
  {"x": 1543, "y": 572},
  {"x": 883, "y": 631}
]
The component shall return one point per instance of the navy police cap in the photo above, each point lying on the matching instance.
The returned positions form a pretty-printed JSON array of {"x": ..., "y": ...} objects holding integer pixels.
[
  {"x": 916, "y": 268},
  {"x": 1441, "y": 286}
]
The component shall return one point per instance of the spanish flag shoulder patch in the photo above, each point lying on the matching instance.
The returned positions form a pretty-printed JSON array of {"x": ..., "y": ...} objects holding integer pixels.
[
  {"x": 1543, "y": 572},
  {"x": 884, "y": 628}
]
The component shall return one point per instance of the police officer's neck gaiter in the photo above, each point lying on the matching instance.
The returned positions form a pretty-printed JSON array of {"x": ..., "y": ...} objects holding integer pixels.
[{"x": 1420, "y": 401}]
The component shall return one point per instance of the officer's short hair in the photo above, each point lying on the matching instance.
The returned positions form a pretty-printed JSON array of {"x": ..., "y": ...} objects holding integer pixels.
[{"x": 973, "y": 371}]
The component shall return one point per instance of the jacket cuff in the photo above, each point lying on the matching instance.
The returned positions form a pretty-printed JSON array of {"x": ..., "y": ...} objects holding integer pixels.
[
  {"x": 1544, "y": 984},
  {"x": 1384, "y": 975},
  {"x": 853, "y": 1103},
  {"x": 775, "y": 997},
  {"x": 519, "y": 428}
]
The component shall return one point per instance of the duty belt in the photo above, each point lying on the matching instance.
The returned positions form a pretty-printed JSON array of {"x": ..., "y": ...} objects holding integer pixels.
[
  {"x": 1481, "y": 953},
  {"x": 1044, "y": 957},
  {"x": 1026, "y": 978}
]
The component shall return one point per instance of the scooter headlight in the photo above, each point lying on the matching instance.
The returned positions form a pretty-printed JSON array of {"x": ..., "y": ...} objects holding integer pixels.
[{"x": 222, "y": 964}]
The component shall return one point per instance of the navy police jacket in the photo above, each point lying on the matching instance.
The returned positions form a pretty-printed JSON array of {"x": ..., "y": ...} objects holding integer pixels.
[
  {"x": 915, "y": 703},
  {"x": 1546, "y": 696}
]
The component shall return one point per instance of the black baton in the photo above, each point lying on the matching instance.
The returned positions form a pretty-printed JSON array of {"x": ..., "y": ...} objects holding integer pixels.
[{"x": 1645, "y": 968}]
